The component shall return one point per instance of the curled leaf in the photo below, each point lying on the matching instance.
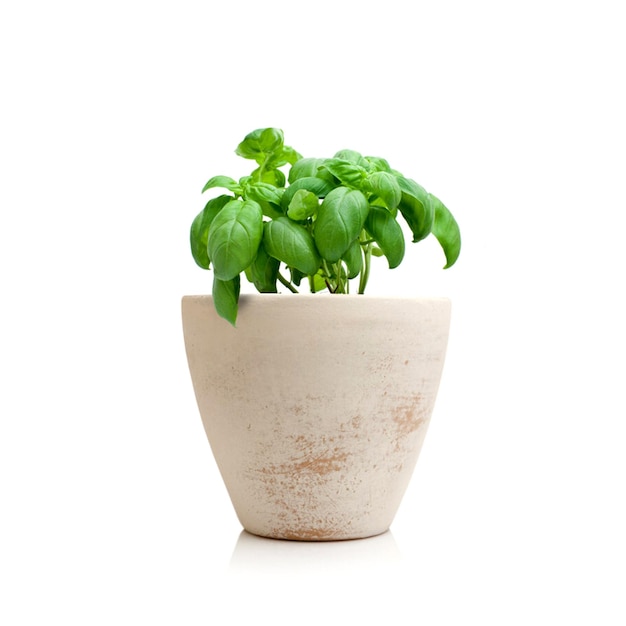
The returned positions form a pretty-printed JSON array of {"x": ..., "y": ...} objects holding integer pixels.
[{"x": 446, "y": 230}]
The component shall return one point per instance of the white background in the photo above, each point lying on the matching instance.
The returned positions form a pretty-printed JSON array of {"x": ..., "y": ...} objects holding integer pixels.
[{"x": 114, "y": 115}]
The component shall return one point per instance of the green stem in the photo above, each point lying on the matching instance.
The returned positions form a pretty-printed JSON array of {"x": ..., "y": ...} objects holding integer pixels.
[
  {"x": 262, "y": 169},
  {"x": 365, "y": 272},
  {"x": 331, "y": 287},
  {"x": 287, "y": 284}
]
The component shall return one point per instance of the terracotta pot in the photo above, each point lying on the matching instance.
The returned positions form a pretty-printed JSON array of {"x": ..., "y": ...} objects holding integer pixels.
[{"x": 316, "y": 406}]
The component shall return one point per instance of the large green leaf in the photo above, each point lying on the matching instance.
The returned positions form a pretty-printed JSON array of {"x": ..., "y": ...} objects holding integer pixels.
[
  {"x": 340, "y": 219},
  {"x": 234, "y": 238},
  {"x": 292, "y": 244},
  {"x": 226, "y": 297},
  {"x": 199, "y": 233},
  {"x": 446, "y": 230},
  {"x": 387, "y": 233}
]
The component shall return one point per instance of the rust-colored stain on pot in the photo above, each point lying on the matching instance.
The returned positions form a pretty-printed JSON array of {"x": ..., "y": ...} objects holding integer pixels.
[
  {"x": 309, "y": 534},
  {"x": 329, "y": 461},
  {"x": 408, "y": 417}
]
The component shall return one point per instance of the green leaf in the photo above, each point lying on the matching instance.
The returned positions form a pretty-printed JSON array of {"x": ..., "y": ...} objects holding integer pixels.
[
  {"x": 348, "y": 173},
  {"x": 416, "y": 208},
  {"x": 225, "y": 182},
  {"x": 387, "y": 233},
  {"x": 296, "y": 276},
  {"x": 318, "y": 282},
  {"x": 304, "y": 168},
  {"x": 264, "y": 271},
  {"x": 259, "y": 143},
  {"x": 283, "y": 156},
  {"x": 377, "y": 164},
  {"x": 199, "y": 233},
  {"x": 234, "y": 238},
  {"x": 264, "y": 192},
  {"x": 303, "y": 205},
  {"x": 292, "y": 244},
  {"x": 268, "y": 196},
  {"x": 226, "y": 297},
  {"x": 353, "y": 258},
  {"x": 446, "y": 230},
  {"x": 385, "y": 186},
  {"x": 311, "y": 183},
  {"x": 272, "y": 177},
  {"x": 340, "y": 219},
  {"x": 352, "y": 156}
]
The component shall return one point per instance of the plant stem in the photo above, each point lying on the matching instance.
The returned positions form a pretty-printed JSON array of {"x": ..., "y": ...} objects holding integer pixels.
[
  {"x": 287, "y": 284},
  {"x": 365, "y": 272}
]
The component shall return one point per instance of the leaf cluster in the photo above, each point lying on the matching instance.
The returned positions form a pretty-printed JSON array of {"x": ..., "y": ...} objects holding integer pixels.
[{"x": 322, "y": 223}]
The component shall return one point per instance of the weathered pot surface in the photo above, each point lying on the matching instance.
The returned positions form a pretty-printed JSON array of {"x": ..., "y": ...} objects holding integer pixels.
[{"x": 316, "y": 406}]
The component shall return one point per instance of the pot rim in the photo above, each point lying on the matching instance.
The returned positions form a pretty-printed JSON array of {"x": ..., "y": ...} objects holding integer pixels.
[{"x": 324, "y": 295}]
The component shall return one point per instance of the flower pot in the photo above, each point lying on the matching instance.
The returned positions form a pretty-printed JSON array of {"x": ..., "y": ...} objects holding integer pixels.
[{"x": 316, "y": 405}]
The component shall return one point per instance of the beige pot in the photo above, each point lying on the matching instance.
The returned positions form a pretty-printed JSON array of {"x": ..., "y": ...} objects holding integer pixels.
[{"x": 316, "y": 405}]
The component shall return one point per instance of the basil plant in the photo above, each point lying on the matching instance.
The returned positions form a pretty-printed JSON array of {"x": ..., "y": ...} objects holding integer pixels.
[{"x": 321, "y": 224}]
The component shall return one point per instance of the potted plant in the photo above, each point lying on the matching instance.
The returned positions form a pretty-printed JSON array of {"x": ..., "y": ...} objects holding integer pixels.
[{"x": 315, "y": 405}]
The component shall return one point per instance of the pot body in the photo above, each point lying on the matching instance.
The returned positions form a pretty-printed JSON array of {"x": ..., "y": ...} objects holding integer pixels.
[{"x": 316, "y": 405}]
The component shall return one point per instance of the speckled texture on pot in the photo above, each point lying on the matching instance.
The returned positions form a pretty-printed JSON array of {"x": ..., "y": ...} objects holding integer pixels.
[{"x": 316, "y": 406}]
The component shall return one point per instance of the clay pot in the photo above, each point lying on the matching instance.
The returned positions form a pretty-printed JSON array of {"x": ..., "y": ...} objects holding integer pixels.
[{"x": 316, "y": 406}]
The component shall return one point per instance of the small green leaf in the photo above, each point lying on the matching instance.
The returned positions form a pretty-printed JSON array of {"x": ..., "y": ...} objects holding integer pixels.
[
  {"x": 264, "y": 192},
  {"x": 387, "y": 233},
  {"x": 226, "y": 297},
  {"x": 296, "y": 276},
  {"x": 318, "y": 282},
  {"x": 304, "y": 168},
  {"x": 385, "y": 186},
  {"x": 272, "y": 177},
  {"x": 268, "y": 196},
  {"x": 303, "y": 205},
  {"x": 281, "y": 157},
  {"x": 264, "y": 271},
  {"x": 353, "y": 258},
  {"x": 199, "y": 233},
  {"x": 377, "y": 164},
  {"x": 340, "y": 219},
  {"x": 352, "y": 156},
  {"x": 348, "y": 173},
  {"x": 234, "y": 238},
  {"x": 315, "y": 185},
  {"x": 416, "y": 208},
  {"x": 259, "y": 143},
  {"x": 446, "y": 230},
  {"x": 225, "y": 182},
  {"x": 292, "y": 244}
]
